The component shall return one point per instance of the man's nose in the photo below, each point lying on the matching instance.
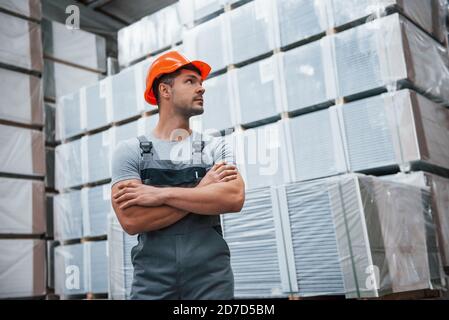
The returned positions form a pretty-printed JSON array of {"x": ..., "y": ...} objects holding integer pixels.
[{"x": 201, "y": 89}]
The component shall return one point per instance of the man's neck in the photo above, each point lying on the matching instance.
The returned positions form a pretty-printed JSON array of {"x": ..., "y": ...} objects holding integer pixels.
[{"x": 172, "y": 127}]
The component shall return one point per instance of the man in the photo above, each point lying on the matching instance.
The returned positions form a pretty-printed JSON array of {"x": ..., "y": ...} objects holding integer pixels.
[{"x": 172, "y": 198}]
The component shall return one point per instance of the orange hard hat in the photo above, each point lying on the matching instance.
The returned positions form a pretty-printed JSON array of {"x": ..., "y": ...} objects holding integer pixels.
[{"x": 168, "y": 63}]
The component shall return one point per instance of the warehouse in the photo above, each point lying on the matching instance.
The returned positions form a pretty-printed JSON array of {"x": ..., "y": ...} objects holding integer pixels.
[{"x": 336, "y": 113}]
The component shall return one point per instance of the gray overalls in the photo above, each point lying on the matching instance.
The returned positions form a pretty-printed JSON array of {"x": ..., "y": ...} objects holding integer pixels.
[{"x": 189, "y": 259}]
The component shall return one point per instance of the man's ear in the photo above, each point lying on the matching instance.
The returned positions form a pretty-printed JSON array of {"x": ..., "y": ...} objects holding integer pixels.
[{"x": 164, "y": 90}]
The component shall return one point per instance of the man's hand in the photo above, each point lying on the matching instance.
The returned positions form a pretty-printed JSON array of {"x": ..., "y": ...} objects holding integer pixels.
[
  {"x": 132, "y": 194},
  {"x": 220, "y": 172}
]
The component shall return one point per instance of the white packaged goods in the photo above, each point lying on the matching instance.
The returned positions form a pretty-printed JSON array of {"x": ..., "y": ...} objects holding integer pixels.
[
  {"x": 61, "y": 79},
  {"x": 398, "y": 129},
  {"x": 312, "y": 243},
  {"x": 262, "y": 157},
  {"x": 251, "y": 29},
  {"x": 126, "y": 131},
  {"x": 387, "y": 52},
  {"x": 68, "y": 216},
  {"x": 308, "y": 75},
  {"x": 22, "y": 268},
  {"x": 69, "y": 117},
  {"x": 68, "y": 160},
  {"x": 195, "y": 10},
  {"x": 383, "y": 231},
  {"x": 208, "y": 42},
  {"x": 257, "y": 91},
  {"x": 70, "y": 270},
  {"x": 74, "y": 46},
  {"x": 28, "y": 8},
  {"x": 126, "y": 92},
  {"x": 22, "y": 207},
  {"x": 96, "y": 204},
  {"x": 22, "y": 151},
  {"x": 120, "y": 266},
  {"x": 255, "y": 240},
  {"x": 219, "y": 113},
  {"x": 20, "y": 43},
  {"x": 150, "y": 34},
  {"x": 96, "y": 156},
  {"x": 95, "y": 99},
  {"x": 439, "y": 188},
  {"x": 314, "y": 145},
  {"x": 300, "y": 19},
  {"x": 21, "y": 98},
  {"x": 96, "y": 260},
  {"x": 430, "y": 15}
]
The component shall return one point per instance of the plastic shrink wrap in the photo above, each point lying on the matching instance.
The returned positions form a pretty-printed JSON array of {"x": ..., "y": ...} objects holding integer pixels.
[
  {"x": 20, "y": 43},
  {"x": 68, "y": 216},
  {"x": 21, "y": 98},
  {"x": 74, "y": 46},
  {"x": 439, "y": 188},
  {"x": 150, "y": 34},
  {"x": 96, "y": 206},
  {"x": 120, "y": 266},
  {"x": 257, "y": 92},
  {"x": 22, "y": 204},
  {"x": 251, "y": 30},
  {"x": 22, "y": 151},
  {"x": 254, "y": 237},
  {"x": 261, "y": 156},
  {"x": 22, "y": 268}
]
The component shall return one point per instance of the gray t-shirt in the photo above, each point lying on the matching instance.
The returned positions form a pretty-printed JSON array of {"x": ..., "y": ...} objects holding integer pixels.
[{"x": 126, "y": 156}]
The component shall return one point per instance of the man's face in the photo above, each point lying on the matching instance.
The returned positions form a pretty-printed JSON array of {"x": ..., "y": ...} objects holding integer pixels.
[{"x": 187, "y": 93}]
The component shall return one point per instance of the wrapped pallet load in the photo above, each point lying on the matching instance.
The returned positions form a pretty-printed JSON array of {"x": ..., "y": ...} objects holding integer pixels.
[
  {"x": 23, "y": 207},
  {"x": 22, "y": 268},
  {"x": 257, "y": 92},
  {"x": 96, "y": 206},
  {"x": 439, "y": 188},
  {"x": 400, "y": 129},
  {"x": 20, "y": 43},
  {"x": 21, "y": 98},
  {"x": 219, "y": 107},
  {"x": 252, "y": 30},
  {"x": 74, "y": 46},
  {"x": 120, "y": 267},
  {"x": 68, "y": 216},
  {"x": 22, "y": 151},
  {"x": 68, "y": 161},
  {"x": 254, "y": 237},
  {"x": 367, "y": 237}
]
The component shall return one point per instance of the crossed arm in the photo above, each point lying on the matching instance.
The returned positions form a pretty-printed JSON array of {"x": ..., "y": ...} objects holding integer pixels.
[{"x": 142, "y": 208}]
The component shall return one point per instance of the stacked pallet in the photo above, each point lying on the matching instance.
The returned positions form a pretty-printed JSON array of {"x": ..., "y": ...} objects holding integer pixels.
[
  {"x": 22, "y": 215},
  {"x": 72, "y": 59}
]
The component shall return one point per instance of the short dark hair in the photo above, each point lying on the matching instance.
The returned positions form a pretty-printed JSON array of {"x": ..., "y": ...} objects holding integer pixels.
[{"x": 169, "y": 78}]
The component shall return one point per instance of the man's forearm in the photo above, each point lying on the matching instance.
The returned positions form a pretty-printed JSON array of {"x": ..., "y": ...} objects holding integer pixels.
[
  {"x": 138, "y": 219},
  {"x": 208, "y": 200}
]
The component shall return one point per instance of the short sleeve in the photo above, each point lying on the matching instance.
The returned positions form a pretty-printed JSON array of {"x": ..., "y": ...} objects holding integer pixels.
[{"x": 125, "y": 163}]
